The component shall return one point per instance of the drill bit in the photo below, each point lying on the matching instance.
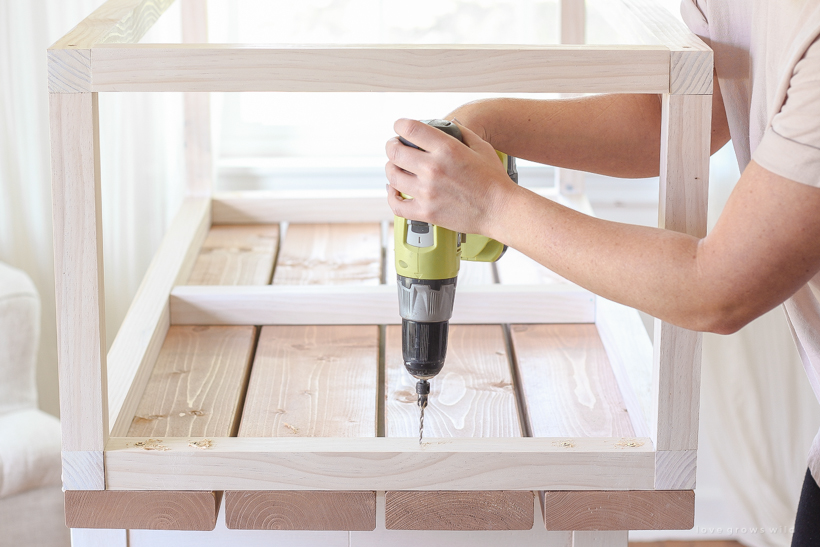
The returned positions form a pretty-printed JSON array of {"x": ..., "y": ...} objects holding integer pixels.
[{"x": 423, "y": 390}]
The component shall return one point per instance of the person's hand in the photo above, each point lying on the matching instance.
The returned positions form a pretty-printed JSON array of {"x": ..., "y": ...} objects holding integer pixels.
[{"x": 460, "y": 186}]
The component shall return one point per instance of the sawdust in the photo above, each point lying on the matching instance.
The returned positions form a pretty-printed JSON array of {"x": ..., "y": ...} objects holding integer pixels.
[
  {"x": 564, "y": 444},
  {"x": 292, "y": 428},
  {"x": 151, "y": 444},
  {"x": 628, "y": 443},
  {"x": 204, "y": 444}
]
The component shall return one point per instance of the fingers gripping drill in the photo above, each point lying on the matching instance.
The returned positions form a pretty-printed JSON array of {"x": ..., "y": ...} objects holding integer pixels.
[{"x": 427, "y": 264}]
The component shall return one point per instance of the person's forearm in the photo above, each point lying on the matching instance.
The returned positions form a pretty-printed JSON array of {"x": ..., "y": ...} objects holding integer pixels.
[
  {"x": 656, "y": 271},
  {"x": 615, "y": 135}
]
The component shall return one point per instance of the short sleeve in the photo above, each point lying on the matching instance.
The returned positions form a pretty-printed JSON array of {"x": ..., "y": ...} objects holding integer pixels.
[
  {"x": 694, "y": 17},
  {"x": 791, "y": 144}
]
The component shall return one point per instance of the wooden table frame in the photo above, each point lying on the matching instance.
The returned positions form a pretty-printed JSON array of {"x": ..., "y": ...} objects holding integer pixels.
[{"x": 99, "y": 391}]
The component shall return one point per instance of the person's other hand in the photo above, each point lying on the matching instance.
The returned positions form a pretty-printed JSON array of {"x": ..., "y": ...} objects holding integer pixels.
[{"x": 460, "y": 186}]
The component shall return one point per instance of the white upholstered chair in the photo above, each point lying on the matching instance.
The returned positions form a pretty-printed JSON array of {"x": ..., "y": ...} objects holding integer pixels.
[{"x": 31, "y": 499}]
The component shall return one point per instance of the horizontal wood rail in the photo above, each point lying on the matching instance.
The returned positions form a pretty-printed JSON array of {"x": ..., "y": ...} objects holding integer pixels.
[
  {"x": 473, "y": 68},
  {"x": 373, "y": 305},
  {"x": 315, "y": 463}
]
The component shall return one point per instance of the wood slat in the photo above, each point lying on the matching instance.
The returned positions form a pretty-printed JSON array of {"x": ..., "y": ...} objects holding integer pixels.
[
  {"x": 473, "y": 396},
  {"x": 290, "y": 510},
  {"x": 314, "y": 381},
  {"x": 491, "y": 510},
  {"x": 630, "y": 510},
  {"x": 195, "y": 390},
  {"x": 330, "y": 254},
  {"x": 237, "y": 255},
  {"x": 197, "y": 383},
  {"x": 568, "y": 385},
  {"x": 146, "y": 510}
]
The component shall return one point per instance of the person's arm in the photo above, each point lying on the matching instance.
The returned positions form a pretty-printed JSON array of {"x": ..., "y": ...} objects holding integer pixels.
[
  {"x": 762, "y": 250},
  {"x": 615, "y": 135}
]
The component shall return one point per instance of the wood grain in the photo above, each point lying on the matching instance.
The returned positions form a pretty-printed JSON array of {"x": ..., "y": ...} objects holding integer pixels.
[
  {"x": 309, "y": 381},
  {"x": 142, "y": 333},
  {"x": 684, "y": 189},
  {"x": 289, "y": 510},
  {"x": 474, "y": 68},
  {"x": 78, "y": 281},
  {"x": 330, "y": 254},
  {"x": 630, "y": 510},
  {"x": 146, "y": 510},
  {"x": 568, "y": 384},
  {"x": 313, "y": 381},
  {"x": 237, "y": 255},
  {"x": 675, "y": 469},
  {"x": 473, "y": 395},
  {"x": 197, "y": 383},
  {"x": 383, "y": 463},
  {"x": 373, "y": 304},
  {"x": 491, "y": 510}
]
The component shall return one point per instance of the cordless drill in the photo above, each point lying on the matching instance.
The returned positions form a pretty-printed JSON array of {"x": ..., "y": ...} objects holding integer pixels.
[{"x": 427, "y": 263}]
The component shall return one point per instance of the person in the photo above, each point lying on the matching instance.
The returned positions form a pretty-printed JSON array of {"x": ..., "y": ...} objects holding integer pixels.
[{"x": 765, "y": 248}]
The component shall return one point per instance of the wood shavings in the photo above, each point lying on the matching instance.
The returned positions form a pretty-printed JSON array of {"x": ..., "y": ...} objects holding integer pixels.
[
  {"x": 564, "y": 444},
  {"x": 628, "y": 443},
  {"x": 204, "y": 444},
  {"x": 292, "y": 428},
  {"x": 151, "y": 444}
]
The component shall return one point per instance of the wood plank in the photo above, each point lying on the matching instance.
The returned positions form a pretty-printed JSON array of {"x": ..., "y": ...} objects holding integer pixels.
[
  {"x": 116, "y": 21},
  {"x": 313, "y": 381},
  {"x": 198, "y": 156},
  {"x": 473, "y": 396},
  {"x": 492, "y": 510},
  {"x": 631, "y": 510},
  {"x": 496, "y": 68},
  {"x": 317, "y": 206},
  {"x": 684, "y": 188},
  {"x": 573, "y": 21},
  {"x": 383, "y": 463},
  {"x": 86, "y": 537},
  {"x": 516, "y": 268},
  {"x": 154, "y": 510},
  {"x": 142, "y": 333},
  {"x": 378, "y": 304},
  {"x": 197, "y": 383},
  {"x": 79, "y": 286},
  {"x": 289, "y": 510},
  {"x": 629, "y": 351},
  {"x": 330, "y": 254},
  {"x": 237, "y": 255},
  {"x": 568, "y": 385},
  {"x": 675, "y": 469}
]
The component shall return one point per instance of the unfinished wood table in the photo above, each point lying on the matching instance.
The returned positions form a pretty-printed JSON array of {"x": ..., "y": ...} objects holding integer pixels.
[{"x": 259, "y": 361}]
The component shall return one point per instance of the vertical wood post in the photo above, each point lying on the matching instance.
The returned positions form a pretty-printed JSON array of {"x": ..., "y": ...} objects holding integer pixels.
[
  {"x": 198, "y": 155},
  {"x": 79, "y": 288},
  {"x": 684, "y": 185},
  {"x": 572, "y": 31},
  {"x": 600, "y": 539}
]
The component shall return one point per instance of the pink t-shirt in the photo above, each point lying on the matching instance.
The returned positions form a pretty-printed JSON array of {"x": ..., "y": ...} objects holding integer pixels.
[{"x": 767, "y": 59}]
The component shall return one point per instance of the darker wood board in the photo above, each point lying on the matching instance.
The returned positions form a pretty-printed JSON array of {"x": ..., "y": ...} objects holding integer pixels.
[
  {"x": 236, "y": 255},
  {"x": 626, "y": 510},
  {"x": 294, "y": 510},
  {"x": 473, "y": 396},
  {"x": 143, "y": 510},
  {"x": 309, "y": 381},
  {"x": 446, "y": 510}
]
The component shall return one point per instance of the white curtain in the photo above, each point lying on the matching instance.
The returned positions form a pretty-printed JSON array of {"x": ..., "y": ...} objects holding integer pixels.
[{"x": 142, "y": 168}]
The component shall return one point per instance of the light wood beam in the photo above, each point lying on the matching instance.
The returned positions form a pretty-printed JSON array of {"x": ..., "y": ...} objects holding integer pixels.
[{"x": 79, "y": 287}]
